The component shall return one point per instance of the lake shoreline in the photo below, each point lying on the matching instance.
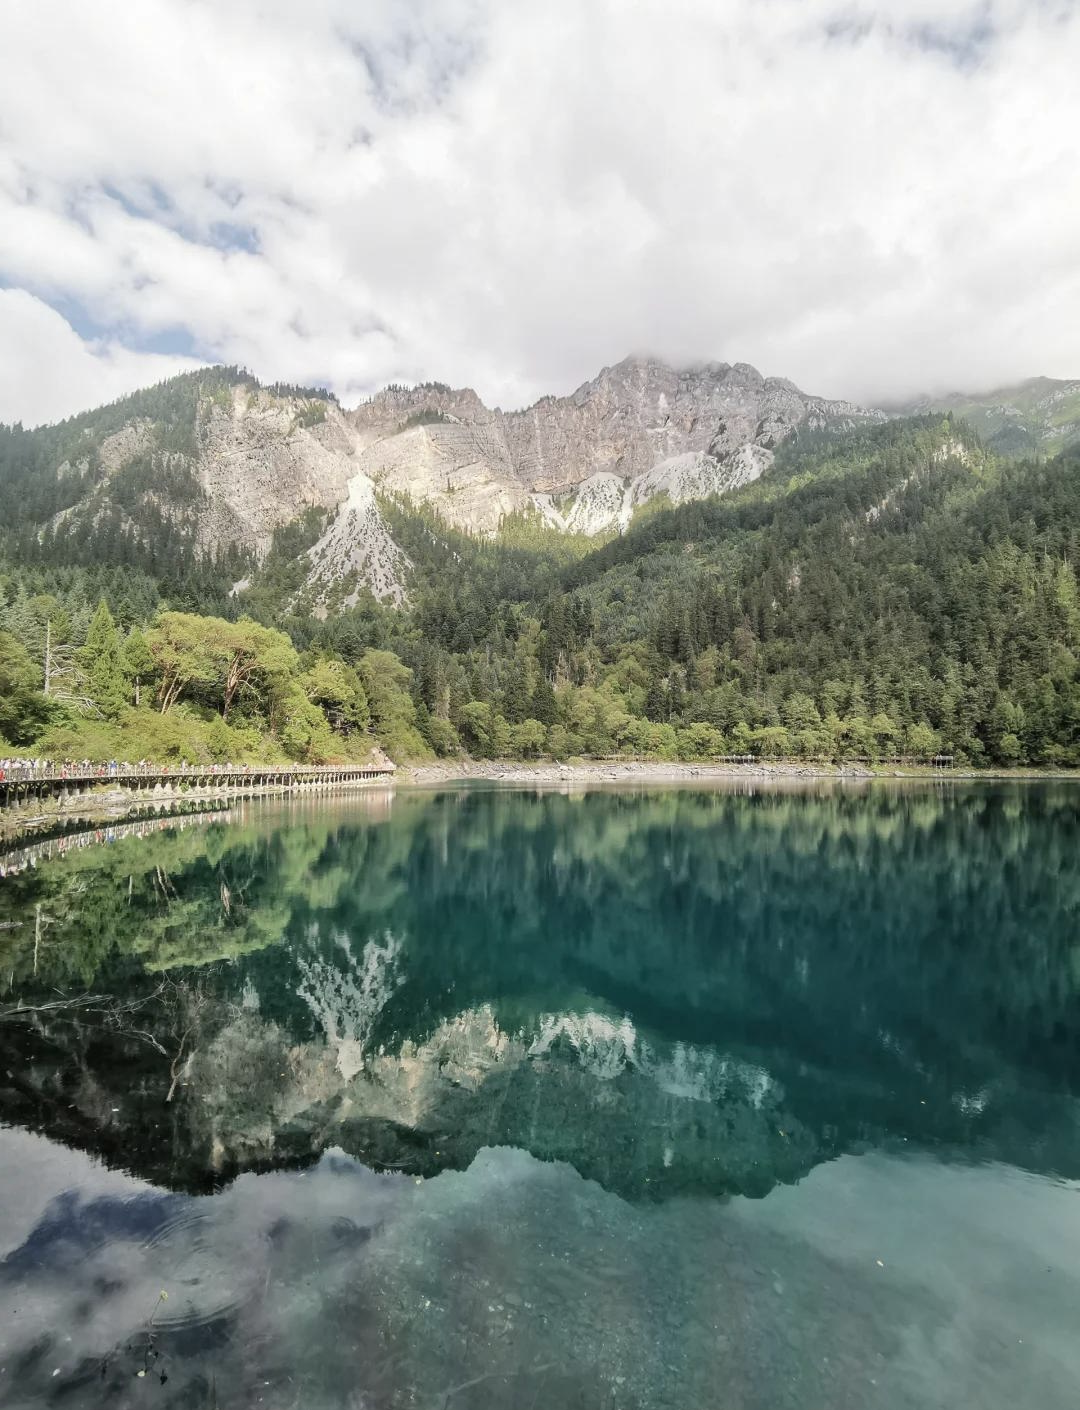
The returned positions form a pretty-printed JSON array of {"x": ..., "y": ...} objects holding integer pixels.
[
  {"x": 656, "y": 771},
  {"x": 114, "y": 805}
]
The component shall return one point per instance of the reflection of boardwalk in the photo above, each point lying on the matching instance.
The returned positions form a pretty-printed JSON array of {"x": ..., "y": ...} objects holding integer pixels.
[
  {"x": 31, "y": 855},
  {"x": 26, "y": 785}
]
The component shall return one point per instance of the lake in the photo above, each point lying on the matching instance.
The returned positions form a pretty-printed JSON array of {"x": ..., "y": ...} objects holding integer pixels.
[{"x": 493, "y": 1098}]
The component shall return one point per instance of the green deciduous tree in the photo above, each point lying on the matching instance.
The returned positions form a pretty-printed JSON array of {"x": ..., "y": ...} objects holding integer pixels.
[
  {"x": 186, "y": 654},
  {"x": 337, "y": 690},
  {"x": 257, "y": 660},
  {"x": 527, "y": 739}
]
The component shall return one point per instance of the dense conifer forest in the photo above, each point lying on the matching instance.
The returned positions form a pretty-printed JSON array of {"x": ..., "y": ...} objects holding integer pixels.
[{"x": 894, "y": 591}]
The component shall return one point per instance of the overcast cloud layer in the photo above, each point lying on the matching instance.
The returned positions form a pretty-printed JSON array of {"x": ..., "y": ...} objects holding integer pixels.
[{"x": 870, "y": 198}]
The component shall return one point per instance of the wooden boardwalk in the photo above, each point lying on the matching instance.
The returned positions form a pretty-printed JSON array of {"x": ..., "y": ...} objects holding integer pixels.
[{"x": 21, "y": 786}]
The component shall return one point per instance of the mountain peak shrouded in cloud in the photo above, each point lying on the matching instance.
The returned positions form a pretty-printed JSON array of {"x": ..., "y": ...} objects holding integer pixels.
[{"x": 874, "y": 199}]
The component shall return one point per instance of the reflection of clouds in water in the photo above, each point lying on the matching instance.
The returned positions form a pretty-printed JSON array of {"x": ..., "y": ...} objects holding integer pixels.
[
  {"x": 347, "y": 997},
  {"x": 339, "y": 1287},
  {"x": 605, "y": 1048},
  {"x": 80, "y": 1298}
]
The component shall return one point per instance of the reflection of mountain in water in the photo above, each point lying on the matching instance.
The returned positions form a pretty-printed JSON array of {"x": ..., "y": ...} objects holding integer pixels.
[
  {"x": 347, "y": 995},
  {"x": 671, "y": 991},
  {"x": 584, "y": 1089}
]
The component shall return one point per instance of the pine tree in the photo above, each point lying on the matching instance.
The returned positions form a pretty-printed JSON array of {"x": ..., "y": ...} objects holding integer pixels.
[
  {"x": 137, "y": 663},
  {"x": 544, "y": 706},
  {"x": 101, "y": 664}
]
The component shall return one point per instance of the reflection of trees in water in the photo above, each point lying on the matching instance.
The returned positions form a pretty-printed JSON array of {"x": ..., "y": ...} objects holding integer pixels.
[
  {"x": 865, "y": 952},
  {"x": 172, "y": 900},
  {"x": 100, "y": 1070},
  {"x": 952, "y": 910},
  {"x": 938, "y": 922}
]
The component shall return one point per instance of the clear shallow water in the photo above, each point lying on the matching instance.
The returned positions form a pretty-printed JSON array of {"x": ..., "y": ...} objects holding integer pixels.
[{"x": 487, "y": 1098}]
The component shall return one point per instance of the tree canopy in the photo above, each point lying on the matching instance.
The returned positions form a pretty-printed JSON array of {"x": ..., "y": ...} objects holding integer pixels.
[{"x": 893, "y": 591}]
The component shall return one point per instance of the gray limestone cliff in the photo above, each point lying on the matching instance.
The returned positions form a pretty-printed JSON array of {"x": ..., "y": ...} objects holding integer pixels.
[
  {"x": 239, "y": 461},
  {"x": 586, "y": 461}
]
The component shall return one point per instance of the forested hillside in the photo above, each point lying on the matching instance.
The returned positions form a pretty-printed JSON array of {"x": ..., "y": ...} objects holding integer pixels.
[
  {"x": 1038, "y": 417},
  {"x": 126, "y": 485},
  {"x": 894, "y": 589}
]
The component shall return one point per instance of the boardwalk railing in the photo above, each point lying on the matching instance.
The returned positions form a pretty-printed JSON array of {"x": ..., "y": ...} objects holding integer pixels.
[
  {"x": 99, "y": 773},
  {"x": 23, "y": 784},
  {"x": 31, "y": 854}
]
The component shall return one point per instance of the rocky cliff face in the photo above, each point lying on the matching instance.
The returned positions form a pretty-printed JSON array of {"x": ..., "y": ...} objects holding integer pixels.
[
  {"x": 586, "y": 461},
  {"x": 230, "y": 461},
  {"x": 263, "y": 459}
]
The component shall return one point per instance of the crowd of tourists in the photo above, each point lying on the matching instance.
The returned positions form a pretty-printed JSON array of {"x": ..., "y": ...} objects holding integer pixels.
[
  {"x": 23, "y": 769},
  {"x": 16, "y": 770}
]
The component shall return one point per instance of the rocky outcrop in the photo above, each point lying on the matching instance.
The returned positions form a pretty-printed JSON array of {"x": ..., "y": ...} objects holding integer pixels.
[
  {"x": 122, "y": 447},
  {"x": 357, "y": 552},
  {"x": 586, "y": 461},
  {"x": 263, "y": 460},
  {"x": 641, "y": 412},
  {"x": 462, "y": 470}
]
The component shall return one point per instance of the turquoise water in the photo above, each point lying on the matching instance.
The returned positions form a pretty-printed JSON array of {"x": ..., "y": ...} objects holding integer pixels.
[{"x": 488, "y": 1098}]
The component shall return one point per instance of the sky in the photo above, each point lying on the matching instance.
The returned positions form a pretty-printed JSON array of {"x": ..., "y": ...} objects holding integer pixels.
[{"x": 873, "y": 199}]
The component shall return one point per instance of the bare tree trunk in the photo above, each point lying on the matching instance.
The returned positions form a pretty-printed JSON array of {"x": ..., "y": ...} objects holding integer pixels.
[
  {"x": 232, "y": 685},
  {"x": 170, "y": 692}
]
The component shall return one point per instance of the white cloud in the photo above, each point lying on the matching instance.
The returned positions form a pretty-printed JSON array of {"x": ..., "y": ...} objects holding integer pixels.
[
  {"x": 868, "y": 198},
  {"x": 47, "y": 371}
]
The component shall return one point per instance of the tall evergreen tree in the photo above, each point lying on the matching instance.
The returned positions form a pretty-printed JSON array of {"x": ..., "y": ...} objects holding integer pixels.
[{"x": 101, "y": 663}]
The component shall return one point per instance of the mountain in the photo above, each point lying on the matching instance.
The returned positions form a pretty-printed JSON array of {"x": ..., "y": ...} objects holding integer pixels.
[
  {"x": 211, "y": 464},
  {"x": 224, "y": 459},
  {"x": 585, "y": 462},
  {"x": 1038, "y": 417},
  {"x": 889, "y": 586}
]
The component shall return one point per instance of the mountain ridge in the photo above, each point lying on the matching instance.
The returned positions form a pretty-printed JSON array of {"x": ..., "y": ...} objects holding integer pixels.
[
  {"x": 214, "y": 464},
  {"x": 1037, "y": 416},
  {"x": 625, "y": 422}
]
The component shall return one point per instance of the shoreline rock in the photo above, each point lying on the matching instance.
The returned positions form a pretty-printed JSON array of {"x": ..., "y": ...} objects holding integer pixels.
[
  {"x": 656, "y": 771},
  {"x": 630, "y": 771}
]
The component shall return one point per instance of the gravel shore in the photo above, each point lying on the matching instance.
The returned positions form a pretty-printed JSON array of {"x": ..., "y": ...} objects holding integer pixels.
[{"x": 630, "y": 771}]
